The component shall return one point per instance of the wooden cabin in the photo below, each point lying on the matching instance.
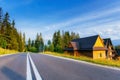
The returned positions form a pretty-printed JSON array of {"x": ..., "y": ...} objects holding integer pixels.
[
  {"x": 92, "y": 46},
  {"x": 110, "y": 52}
]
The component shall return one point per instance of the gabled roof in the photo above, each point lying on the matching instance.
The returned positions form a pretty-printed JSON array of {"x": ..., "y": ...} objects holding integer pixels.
[
  {"x": 86, "y": 43},
  {"x": 107, "y": 41},
  {"x": 75, "y": 45}
]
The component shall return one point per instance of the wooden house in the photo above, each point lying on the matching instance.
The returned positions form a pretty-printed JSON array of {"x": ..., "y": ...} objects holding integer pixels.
[
  {"x": 110, "y": 52},
  {"x": 92, "y": 46}
]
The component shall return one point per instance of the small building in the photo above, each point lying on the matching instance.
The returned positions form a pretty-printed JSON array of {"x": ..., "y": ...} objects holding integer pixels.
[
  {"x": 110, "y": 52},
  {"x": 92, "y": 46}
]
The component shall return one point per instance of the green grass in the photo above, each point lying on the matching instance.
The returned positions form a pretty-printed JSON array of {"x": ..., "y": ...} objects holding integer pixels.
[
  {"x": 6, "y": 51},
  {"x": 113, "y": 63}
]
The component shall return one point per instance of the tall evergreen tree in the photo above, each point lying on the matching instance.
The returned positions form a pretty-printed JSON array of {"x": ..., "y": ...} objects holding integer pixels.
[
  {"x": 20, "y": 42},
  {"x": 24, "y": 43},
  {"x": 13, "y": 24},
  {"x": 1, "y": 15},
  {"x": 66, "y": 38},
  {"x": 55, "y": 41},
  {"x": 7, "y": 29},
  {"x": 60, "y": 41},
  {"x": 29, "y": 44},
  {"x": 1, "y": 21},
  {"x": 39, "y": 43},
  {"x": 10, "y": 38},
  {"x": 33, "y": 43}
]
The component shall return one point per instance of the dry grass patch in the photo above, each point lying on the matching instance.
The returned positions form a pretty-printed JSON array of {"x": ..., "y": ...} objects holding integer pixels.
[
  {"x": 114, "y": 63},
  {"x": 7, "y": 51}
]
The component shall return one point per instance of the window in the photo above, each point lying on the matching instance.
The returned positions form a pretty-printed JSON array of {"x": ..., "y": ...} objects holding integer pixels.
[{"x": 100, "y": 54}]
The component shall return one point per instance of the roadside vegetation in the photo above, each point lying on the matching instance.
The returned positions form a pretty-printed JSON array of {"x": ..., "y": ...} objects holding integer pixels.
[
  {"x": 60, "y": 40},
  {"x": 36, "y": 45},
  {"x": 113, "y": 63},
  {"x": 7, "y": 51},
  {"x": 10, "y": 37}
]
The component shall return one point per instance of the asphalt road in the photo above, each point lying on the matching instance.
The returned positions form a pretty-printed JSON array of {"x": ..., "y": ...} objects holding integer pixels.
[{"x": 13, "y": 67}]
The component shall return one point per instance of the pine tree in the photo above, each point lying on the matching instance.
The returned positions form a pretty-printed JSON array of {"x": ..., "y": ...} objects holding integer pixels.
[
  {"x": 39, "y": 43},
  {"x": 13, "y": 41},
  {"x": 10, "y": 38},
  {"x": 66, "y": 38},
  {"x": 59, "y": 41},
  {"x": 1, "y": 21},
  {"x": 7, "y": 29},
  {"x": 33, "y": 43},
  {"x": 1, "y": 15},
  {"x": 49, "y": 46},
  {"x": 24, "y": 43},
  {"x": 13, "y": 24},
  {"x": 20, "y": 42},
  {"x": 55, "y": 41},
  {"x": 29, "y": 44}
]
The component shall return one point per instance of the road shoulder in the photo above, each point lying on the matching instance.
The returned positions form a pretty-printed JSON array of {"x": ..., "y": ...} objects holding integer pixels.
[{"x": 84, "y": 62}]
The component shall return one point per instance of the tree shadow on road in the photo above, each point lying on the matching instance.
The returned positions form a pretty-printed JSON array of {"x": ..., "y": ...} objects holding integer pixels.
[{"x": 12, "y": 75}]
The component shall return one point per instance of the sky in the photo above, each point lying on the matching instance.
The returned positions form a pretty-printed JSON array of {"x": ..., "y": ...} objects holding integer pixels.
[{"x": 86, "y": 17}]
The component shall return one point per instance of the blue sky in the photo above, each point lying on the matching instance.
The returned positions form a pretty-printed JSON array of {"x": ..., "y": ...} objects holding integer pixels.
[{"x": 86, "y": 17}]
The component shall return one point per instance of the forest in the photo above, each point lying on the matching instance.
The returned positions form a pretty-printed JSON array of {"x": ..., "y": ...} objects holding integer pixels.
[{"x": 11, "y": 38}]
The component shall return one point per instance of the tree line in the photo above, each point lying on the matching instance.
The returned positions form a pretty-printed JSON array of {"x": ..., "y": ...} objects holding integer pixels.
[
  {"x": 10, "y": 38},
  {"x": 57, "y": 44},
  {"x": 36, "y": 45},
  {"x": 60, "y": 40}
]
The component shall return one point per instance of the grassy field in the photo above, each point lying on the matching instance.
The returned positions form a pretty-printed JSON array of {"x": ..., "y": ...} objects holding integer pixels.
[
  {"x": 114, "y": 63},
  {"x": 6, "y": 51}
]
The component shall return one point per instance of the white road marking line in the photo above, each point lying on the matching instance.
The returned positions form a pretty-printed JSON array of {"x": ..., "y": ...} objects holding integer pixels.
[
  {"x": 37, "y": 74},
  {"x": 29, "y": 74}
]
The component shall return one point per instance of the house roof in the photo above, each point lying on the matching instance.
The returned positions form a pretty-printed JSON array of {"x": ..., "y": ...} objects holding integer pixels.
[
  {"x": 107, "y": 41},
  {"x": 75, "y": 45},
  {"x": 86, "y": 43}
]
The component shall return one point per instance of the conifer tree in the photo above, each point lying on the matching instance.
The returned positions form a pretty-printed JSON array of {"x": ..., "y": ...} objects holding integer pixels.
[
  {"x": 39, "y": 43},
  {"x": 10, "y": 38},
  {"x": 29, "y": 44},
  {"x": 60, "y": 41},
  {"x": 1, "y": 15}
]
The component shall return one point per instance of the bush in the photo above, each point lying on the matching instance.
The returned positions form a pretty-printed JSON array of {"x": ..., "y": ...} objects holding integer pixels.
[{"x": 33, "y": 49}]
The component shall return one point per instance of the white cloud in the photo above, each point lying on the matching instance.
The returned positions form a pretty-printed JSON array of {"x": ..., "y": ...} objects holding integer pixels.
[
  {"x": 104, "y": 22},
  {"x": 86, "y": 18},
  {"x": 90, "y": 24},
  {"x": 110, "y": 30}
]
